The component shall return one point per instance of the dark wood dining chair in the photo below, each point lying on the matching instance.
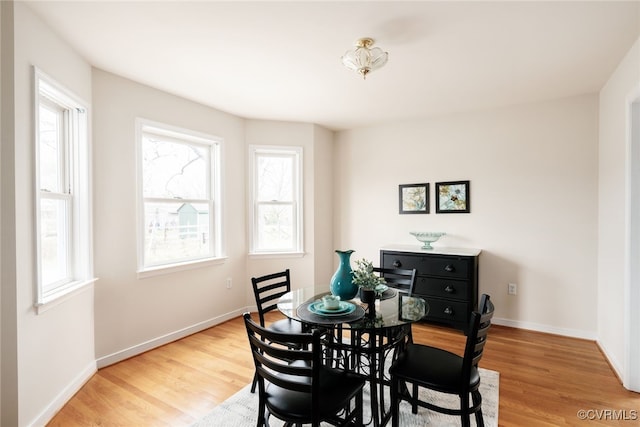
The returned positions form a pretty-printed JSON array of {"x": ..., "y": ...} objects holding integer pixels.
[
  {"x": 403, "y": 280},
  {"x": 267, "y": 290},
  {"x": 398, "y": 278},
  {"x": 295, "y": 386},
  {"x": 436, "y": 369}
]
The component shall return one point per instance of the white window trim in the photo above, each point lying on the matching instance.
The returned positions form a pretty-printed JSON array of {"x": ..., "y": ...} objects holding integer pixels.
[
  {"x": 297, "y": 152},
  {"x": 146, "y": 126},
  {"x": 81, "y": 246},
  {"x": 70, "y": 290}
]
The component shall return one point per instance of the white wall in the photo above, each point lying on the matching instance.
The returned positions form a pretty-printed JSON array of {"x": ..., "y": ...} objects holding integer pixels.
[
  {"x": 8, "y": 326},
  {"x": 533, "y": 173},
  {"x": 132, "y": 313},
  {"x": 55, "y": 349},
  {"x": 322, "y": 205},
  {"x": 613, "y": 204},
  {"x": 158, "y": 309}
]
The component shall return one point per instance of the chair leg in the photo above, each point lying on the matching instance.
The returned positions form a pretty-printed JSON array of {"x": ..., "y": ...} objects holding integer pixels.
[
  {"x": 414, "y": 402},
  {"x": 464, "y": 405},
  {"x": 253, "y": 384},
  {"x": 477, "y": 398},
  {"x": 395, "y": 402},
  {"x": 359, "y": 409},
  {"x": 262, "y": 421}
]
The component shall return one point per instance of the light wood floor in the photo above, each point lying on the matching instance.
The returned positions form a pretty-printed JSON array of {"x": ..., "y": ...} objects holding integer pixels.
[{"x": 544, "y": 380}]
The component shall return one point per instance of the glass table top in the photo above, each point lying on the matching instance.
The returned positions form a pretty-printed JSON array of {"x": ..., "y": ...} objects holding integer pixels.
[{"x": 397, "y": 310}]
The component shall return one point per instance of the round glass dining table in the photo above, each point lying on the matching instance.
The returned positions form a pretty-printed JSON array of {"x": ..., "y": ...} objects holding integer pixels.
[
  {"x": 360, "y": 338},
  {"x": 393, "y": 308}
]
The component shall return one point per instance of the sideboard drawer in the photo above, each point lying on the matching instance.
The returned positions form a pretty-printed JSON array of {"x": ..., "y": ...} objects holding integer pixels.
[
  {"x": 446, "y": 266},
  {"x": 445, "y": 288},
  {"x": 393, "y": 260},
  {"x": 452, "y": 311}
]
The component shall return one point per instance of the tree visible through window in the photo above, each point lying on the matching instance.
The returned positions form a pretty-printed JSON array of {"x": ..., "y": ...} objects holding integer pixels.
[
  {"x": 178, "y": 196},
  {"x": 276, "y": 189}
]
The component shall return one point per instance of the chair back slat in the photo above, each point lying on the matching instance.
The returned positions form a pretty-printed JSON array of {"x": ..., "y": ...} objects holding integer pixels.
[
  {"x": 274, "y": 350},
  {"x": 398, "y": 278},
  {"x": 292, "y": 377},
  {"x": 288, "y": 384},
  {"x": 266, "y": 288},
  {"x": 477, "y": 336},
  {"x": 269, "y": 288}
]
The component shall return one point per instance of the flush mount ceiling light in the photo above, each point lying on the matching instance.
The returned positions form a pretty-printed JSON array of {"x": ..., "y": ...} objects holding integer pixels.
[{"x": 364, "y": 58}]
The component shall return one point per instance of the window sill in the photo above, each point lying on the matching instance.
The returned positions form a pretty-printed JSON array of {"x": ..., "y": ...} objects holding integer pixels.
[
  {"x": 63, "y": 295},
  {"x": 254, "y": 255},
  {"x": 173, "y": 268}
]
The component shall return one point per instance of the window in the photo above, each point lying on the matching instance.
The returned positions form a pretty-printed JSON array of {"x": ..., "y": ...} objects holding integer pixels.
[
  {"x": 179, "y": 187},
  {"x": 63, "y": 216},
  {"x": 276, "y": 207}
]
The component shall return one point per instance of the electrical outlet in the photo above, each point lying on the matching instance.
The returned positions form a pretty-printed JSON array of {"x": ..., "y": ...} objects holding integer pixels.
[
  {"x": 512, "y": 289},
  {"x": 229, "y": 283}
]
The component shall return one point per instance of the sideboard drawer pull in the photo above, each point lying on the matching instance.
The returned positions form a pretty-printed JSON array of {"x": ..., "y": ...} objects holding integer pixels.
[
  {"x": 397, "y": 264},
  {"x": 449, "y": 311},
  {"x": 450, "y": 289},
  {"x": 449, "y": 268}
]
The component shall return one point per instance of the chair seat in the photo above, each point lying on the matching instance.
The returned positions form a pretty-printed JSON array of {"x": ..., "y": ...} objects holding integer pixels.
[
  {"x": 336, "y": 387},
  {"x": 432, "y": 368},
  {"x": 286, "y": 326}
]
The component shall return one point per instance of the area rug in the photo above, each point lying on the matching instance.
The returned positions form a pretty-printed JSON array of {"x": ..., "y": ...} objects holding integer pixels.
[{"x": 241, "y": 409}]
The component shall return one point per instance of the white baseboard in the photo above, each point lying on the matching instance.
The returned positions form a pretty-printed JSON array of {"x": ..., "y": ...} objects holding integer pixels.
[
  {"x": 574, "y": 333},
  {"x": 65, "y": 394},
  {"x": 165, "y": 339},
  {"x": 613, "y": 362}
]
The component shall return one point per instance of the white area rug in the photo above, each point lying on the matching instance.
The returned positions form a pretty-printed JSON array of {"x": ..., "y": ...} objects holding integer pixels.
[{"x": 241, "y": 409}]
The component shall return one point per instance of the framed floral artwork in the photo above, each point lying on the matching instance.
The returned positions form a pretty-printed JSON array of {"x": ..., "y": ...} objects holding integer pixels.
[
  {"x": 414, "y": 198},
  {"x": 452, "y": 197}
]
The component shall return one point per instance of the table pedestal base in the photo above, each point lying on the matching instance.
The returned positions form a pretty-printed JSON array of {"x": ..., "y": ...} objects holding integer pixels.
[{"x": 368, "y": 352}]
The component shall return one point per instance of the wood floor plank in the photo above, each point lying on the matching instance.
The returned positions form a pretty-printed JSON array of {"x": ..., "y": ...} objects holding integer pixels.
[{"x": 544, "y": 380}]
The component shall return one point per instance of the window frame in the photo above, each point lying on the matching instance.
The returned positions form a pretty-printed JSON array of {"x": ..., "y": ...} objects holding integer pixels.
[
  {"x": 214, "y": 147},
  {"x": 74, "y": 163},
  {"x": 297, "y": 202}
]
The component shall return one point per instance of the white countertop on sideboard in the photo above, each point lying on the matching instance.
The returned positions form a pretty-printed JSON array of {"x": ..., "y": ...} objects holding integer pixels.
[{"x": 440, "y": 250}]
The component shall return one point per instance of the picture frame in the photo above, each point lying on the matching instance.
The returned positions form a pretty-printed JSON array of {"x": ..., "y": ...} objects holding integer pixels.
[
  {"x": 453, "y": 197},
  {"x": 413, "y": 198}
]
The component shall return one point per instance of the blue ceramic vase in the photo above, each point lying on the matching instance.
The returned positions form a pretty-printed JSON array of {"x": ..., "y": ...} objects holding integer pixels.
[{"x": 342, "y": 280}]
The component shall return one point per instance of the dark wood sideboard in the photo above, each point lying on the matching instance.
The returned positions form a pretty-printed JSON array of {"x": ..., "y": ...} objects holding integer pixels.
[{"x": 447, "y": 280}]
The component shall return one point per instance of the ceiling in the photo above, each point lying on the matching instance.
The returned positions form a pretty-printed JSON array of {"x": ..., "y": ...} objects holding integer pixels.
[{"x": 281, "y": 60}]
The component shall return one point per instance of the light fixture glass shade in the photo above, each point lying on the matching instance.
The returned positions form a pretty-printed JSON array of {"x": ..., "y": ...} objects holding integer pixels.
[{"x": 363, "y": 58}]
